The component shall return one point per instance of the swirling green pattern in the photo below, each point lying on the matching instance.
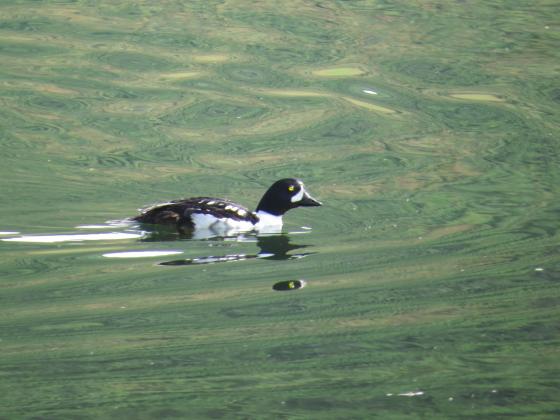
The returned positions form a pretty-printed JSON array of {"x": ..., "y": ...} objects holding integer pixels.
[{"x": 429, "y": 130}]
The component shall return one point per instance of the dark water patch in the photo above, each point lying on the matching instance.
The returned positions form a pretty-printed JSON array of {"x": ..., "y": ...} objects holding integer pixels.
[
  {"x": 16, "y": 49},
  {"x": 27, "y": 266},
  {"x": 304, "y": 25},
  {"x": 121, "y": 160},
  {"x": 214, "y": 113},
  {"x": 317, "y": 404},
  {"x": 66, "y": 290},
  {"x": 134, "y": 61},
  {"x": 24, "y": 25},
  {"x": 47, "y": 102},
  {"x": 165, "y": 413},
  {"x": 55, "y": 104},
  {"x": 547, "y": 302},
  {"x": 544, "y": 227},
  {"x": 181, "y": 40},
  {"x": 114, "y": 159},
  {"x": 265, "y": 310},
  {"x": 353, "y": 126},
  {"x": 534, "y": 150},
  {"x": 554, "y": 94},
  {"x": 440, "y": 73},
  {"x": 108, "y": 35},
  {"x": 301, "y": 351},
  {"x": 43, "y": 128},
  {"x": 478, "y": 118},
  {"x": 169, "y": 413},
  {"x": 475, "y": 117},
  {"x": 283, "y": 170},
  {"x": 256, "y": 75},
  {"x": 112, "y": 92},
  {"x": 67, "y": 327},
  {"x": 169, "y": 152},
  {"x": 82, "y": 76},
  {"x": 309, "y": 27},
  {"x": 251, "y": 74},
  {"x": 295, "y": 54},
  {"x": 122, "y": 126},
  {"x": 14, "y": 145}
]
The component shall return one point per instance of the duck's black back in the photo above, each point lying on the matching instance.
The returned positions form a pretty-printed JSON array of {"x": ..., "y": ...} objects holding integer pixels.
[{"x": 180, "y": 211}]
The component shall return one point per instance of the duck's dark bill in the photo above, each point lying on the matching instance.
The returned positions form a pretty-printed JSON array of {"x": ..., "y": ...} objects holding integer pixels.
[
  {"x": 309, "y": 201},
  {"x": 282, "y": 286}
]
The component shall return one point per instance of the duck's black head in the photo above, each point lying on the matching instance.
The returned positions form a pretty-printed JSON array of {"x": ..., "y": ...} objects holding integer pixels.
[{"x": 284, "y": 195}]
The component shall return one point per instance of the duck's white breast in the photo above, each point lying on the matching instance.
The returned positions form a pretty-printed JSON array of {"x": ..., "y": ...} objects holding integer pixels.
[{"x": 267, "y": 220}]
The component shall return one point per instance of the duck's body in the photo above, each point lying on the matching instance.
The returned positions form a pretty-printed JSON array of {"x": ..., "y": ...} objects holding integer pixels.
[{"x": 208, "y": 216}]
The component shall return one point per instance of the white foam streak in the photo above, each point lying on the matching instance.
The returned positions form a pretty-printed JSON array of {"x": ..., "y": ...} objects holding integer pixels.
[
  {"x": 50, "y": 239},
  {"x": 140, "y": 254},
  {"x": 94, "y": 227}
]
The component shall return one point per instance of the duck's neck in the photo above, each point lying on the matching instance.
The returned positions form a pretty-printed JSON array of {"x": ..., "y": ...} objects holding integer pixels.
[
  {"x": 268, "y": 220},
  {"x": 272, "y": 206}
]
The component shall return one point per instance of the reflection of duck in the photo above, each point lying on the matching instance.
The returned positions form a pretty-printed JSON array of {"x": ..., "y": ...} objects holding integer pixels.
[
  {"x": 272, "y": 247},
  {"x": 204, "y": 217},
  {"x": 276, "y": 247}
]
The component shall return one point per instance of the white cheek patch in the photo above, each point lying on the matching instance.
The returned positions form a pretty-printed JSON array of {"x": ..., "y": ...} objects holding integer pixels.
[{"x": 298, "y": 196}]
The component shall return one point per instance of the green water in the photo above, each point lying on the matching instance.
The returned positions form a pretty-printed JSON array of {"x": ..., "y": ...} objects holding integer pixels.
[{"x": 429, "y": 130}]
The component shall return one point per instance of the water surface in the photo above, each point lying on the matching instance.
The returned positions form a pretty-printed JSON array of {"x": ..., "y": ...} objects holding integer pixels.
[{"x": 429, "y": 130}]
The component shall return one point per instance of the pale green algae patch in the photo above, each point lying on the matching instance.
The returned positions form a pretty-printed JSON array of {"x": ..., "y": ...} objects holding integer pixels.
[
  {"x": 477, "y": 96},
  {"x": 294, "y": 93},
  {"x": 370, "y": 106},
  {"x": 180, "y": 75},
  {"x": 339, "y": 72}
]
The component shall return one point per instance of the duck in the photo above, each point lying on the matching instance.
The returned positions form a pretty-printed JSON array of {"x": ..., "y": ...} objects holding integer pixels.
[{"x": 204, "y": 217}]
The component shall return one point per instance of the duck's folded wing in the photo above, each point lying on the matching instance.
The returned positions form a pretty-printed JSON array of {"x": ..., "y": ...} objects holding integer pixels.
[
  {"x": 177, "y": 211},
  {"x": 221, "y": 209}
]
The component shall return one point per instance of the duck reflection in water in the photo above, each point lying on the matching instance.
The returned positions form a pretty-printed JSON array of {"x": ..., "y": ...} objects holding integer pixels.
[{"x": 272, "y": 247}]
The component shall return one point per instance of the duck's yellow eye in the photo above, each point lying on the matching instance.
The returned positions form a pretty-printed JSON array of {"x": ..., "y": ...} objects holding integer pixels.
[{"x": 291, "y": 188}]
